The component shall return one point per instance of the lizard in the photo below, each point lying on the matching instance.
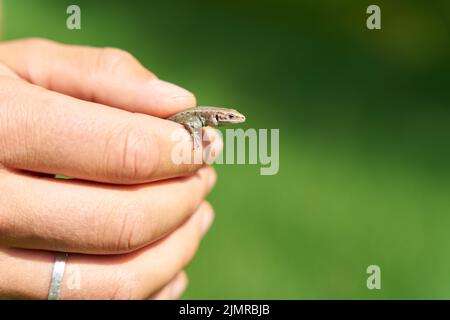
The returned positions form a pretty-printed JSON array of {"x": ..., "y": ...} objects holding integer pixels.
[{"x": 194, "y": 119}]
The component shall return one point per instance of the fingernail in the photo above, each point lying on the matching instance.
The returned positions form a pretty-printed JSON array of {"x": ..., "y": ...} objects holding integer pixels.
[
  {"x": 170, "y": 90},
  {"x": 179, "y": 287},
  {"x": 206, "y": 222}
]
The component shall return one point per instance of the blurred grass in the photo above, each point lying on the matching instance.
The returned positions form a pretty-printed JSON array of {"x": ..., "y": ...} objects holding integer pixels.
[{"x": 364, "y": 126}]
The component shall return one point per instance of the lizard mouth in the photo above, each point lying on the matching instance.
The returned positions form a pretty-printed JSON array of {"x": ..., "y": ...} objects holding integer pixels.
[
  {"x": 240, "y": 119},
  {"x": 236, "y": 118}
]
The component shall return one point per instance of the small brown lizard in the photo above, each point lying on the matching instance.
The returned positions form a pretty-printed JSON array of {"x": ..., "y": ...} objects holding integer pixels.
[{"x": 194, "y": 119}]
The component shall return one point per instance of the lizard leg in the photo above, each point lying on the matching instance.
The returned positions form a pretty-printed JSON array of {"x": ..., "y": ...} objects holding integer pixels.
[
  {"x": 197, "y": 136},
  {"x": 195, "y": 130}
]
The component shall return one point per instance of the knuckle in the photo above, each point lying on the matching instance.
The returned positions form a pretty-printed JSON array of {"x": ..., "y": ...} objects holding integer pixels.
[
  {"x": 34, "y": 49},
  {"x": 125, "y": 233},
  {"x": 135, "y": 154},
  {"x": 110, "y": 60}
]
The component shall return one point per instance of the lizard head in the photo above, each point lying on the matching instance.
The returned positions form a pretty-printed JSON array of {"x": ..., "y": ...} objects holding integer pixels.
[{"x": 226, "y": 116}]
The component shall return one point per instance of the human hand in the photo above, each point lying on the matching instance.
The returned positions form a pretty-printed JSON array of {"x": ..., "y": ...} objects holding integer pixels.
[{"x": 95, "y": 115}]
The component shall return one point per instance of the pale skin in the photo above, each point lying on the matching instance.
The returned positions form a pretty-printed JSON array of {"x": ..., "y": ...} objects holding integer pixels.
[{"x": 99, "y": 116}]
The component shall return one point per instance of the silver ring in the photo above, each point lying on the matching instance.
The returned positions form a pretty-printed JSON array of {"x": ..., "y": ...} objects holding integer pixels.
[{"x": 57, "y": 275}]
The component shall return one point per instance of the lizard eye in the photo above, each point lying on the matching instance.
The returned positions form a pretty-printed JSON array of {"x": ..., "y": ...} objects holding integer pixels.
[
  {"x": 231, "y": 116},
  {"x": 217, "y": 117}
]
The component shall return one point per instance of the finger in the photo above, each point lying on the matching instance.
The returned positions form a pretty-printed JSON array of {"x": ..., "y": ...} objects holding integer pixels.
[
  {"x": 173, "y": 290},
  {"x": 70, "y": 216},
  {"x": 149, "y": 269},
  {"x": 48, "y": 132},
  {"x": 105, "y": 75},
  {"x": 27, "y": 273}
]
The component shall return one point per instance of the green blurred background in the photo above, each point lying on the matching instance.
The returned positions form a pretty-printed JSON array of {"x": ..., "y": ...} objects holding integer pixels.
[{"x": 364, "y": 119}]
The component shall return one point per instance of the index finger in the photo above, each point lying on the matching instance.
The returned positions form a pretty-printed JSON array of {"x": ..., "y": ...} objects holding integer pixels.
[{"x": 108, "y": 76}]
